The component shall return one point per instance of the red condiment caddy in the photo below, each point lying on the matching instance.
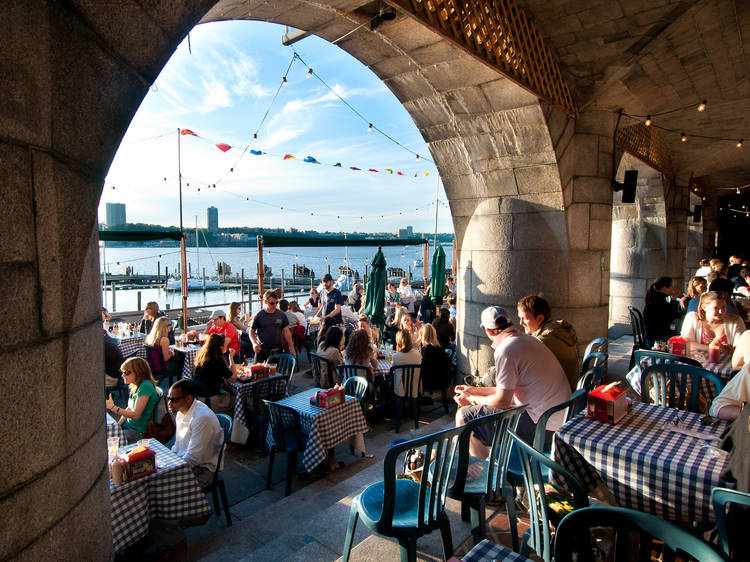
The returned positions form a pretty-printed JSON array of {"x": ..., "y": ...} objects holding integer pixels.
[
  {"x": 327, "y": 399},
  {"x": 607, "y": 403},
  {"x": 677, "y": 345}
]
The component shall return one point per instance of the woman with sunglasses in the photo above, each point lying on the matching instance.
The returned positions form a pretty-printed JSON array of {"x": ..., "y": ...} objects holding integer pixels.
[
  {"x": 211, "y": 371},
  {"x": 143, "y": 399}
]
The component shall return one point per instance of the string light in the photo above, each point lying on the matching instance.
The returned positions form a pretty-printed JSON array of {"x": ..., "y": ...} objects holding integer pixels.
[
  {"x": 683, "y": 137},
  {"x": 702, "y": 106},
  {"x": 648, "y": 120},
  {"x": 417, "y": 157},
  {"x": 369, "y": 128},
  {"x": 309, "y": 73},
  {"x": 284, "y": 80},
  {"x": 739, "y": 143}
]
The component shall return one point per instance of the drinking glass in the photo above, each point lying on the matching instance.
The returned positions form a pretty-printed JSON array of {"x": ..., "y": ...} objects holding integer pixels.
[{"x": 113, "y": 444}]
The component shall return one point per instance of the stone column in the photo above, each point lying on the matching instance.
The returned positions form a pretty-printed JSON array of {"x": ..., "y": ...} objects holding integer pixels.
[
  {"x": 676, "y": 201},
  {"x": 694, "y": 249},
  {"x": 639, "y": 241}
]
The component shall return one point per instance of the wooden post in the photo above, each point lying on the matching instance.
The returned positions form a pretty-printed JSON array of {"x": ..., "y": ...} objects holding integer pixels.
[
  {"x": 454, "y": 265},
  {"x": 329, "y": 269},
  {"x": 260, "y": 268},
  {"x": 158, "y": 269},
  {"x": 190, "y": 269},
  {"x": 183, "y": 257},
  {"x": 294, "y": 274},
  {"x": 425, "y": 264},
  {"x": 166, "y": 276},
  {"x": 282, "y": 282},
  {"x": 204, "y": 279},
  {"x": 138, "y": 300},
  {"x": 242, "y": 288},
  {"x": 114, "y": 305}
]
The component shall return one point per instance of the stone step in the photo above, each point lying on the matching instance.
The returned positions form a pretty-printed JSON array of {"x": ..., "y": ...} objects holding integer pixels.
[{"x": 311, "y": 523}]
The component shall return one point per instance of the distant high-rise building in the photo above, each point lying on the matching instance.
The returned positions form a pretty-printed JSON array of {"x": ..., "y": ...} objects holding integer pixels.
[
  {"x": 407, "y": 232},
  {"x": 116, "y": 214},
  {"x": 213, "y": 220}
]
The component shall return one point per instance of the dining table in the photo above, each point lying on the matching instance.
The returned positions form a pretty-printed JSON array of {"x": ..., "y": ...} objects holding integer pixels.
[
  {"x": 723, "y": 369},
  {"x": 114, "y": 429},
  {"x": 171, "y": 493},
  {"x": 132, "y": 344},
  {"x": 657, "y": 460},
  {"x": 325, "y": 428},
  {"x": 189, "y": 350},
  {"x": 244, "y": 395}
]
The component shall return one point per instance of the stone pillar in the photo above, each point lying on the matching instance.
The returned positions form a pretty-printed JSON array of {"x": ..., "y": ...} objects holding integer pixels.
[
  {"x": 639, "y": 241},
  {"x": 694, "y": 247},
  {"x": 584, "y": 153},
  {"x": 73, "y": 76},
  {"x": 710, "y": 227},
  {"x": 676, "y": 201}
]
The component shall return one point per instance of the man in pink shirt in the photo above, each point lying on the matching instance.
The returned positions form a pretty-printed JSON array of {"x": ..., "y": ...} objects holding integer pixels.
[{"x": 526, "y": 372}]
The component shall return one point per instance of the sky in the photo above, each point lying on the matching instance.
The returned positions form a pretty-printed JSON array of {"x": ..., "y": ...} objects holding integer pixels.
[{"x": 224, "y": 92}]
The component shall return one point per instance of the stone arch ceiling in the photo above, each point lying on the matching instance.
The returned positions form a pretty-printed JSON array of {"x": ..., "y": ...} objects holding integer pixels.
[
  {"x": 647, "y": 56},
  {"x": 644, "y": 56}
]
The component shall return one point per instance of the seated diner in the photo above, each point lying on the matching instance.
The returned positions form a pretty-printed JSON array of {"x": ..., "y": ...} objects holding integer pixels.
[
  {"x": 711, "y": 324},
  {"x": 142, "y": 400},
  {"x": 211, "y": 371}
]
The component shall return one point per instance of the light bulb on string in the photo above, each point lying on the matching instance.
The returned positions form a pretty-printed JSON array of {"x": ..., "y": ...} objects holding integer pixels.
[
  {"x": 648, "y": 121},
  {"x": 683, "y": 137},
  {"x": 255, "y": 136},
  {"x": 739, "y": 143},
  {"x": 417, "y": 157},
  {"x": 702, "y": 106},
  {"x": 284, "y": 80},
  {"x": 369, "y": 128},
  {"x": 738, "y": 191}
]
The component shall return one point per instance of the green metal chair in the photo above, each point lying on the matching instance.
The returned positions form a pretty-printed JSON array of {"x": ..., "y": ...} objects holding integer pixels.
[
  {"x": 491, "y": 482},
  {"x": 590, "y": 379},
  {"x": 285, "y": 365},
  {"x": 405, "y": 509},
  {"x": 670, "y": 384},
  {"x": 359, "y": 388},
  {"x": 217, "y": 484},
  {"x": 573, "y": 539},
  {"x": 572, "y": 406},
  {"x": 346, "y": 371},
  {"x": 547, "y": 503},
  {"x": 597, "y": 344},
  {"x": 327, "y": 379},
  {"x": 639, "y": 333},
  {"x": 287, "y": 437},
  {"x": 644, "y": 358},
  {"x": 720, "y": 497},
  {"x": 408, "y": 374},
  {"x": 594, "y": 359}
]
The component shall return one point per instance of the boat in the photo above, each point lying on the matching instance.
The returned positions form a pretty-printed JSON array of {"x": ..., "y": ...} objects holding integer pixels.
[{"x": 192, "y": 284}]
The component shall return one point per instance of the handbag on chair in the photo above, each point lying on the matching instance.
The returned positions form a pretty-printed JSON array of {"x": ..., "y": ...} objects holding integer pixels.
[{"x": 164, "y": 429}]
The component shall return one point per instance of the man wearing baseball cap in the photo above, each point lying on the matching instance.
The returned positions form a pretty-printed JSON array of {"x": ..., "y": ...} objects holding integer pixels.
[
  {"x": 331, "y": 301},
  {"x": 526, "y": 372},
  {"x": 217, "y": 324}
]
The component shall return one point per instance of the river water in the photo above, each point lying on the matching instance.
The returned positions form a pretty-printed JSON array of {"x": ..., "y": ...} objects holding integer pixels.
[{"x": 151, "y": 260}]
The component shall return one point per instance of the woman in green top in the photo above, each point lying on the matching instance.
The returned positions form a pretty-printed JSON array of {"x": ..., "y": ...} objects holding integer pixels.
[{"x": 143, "y": 399}]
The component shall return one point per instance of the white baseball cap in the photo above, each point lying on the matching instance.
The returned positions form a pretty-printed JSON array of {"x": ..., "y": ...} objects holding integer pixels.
[{"x": 495, "y": 318}]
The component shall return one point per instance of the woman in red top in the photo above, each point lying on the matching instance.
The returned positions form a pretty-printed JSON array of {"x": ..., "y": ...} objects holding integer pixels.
[{"x": 218, "y": 324}]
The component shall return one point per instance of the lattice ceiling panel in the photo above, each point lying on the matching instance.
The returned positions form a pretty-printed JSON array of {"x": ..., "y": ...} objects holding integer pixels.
[
  {"x": 498, "y": 33},
  {"x": 646, "y": 144}
]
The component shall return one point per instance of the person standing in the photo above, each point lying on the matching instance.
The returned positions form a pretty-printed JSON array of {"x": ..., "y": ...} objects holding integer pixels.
[
  {"x": 269, "y": 328},
  {"x": 526, "y": 372},
  {"x": 660, "y": 311},
  {"x": 331, "y": 301}
]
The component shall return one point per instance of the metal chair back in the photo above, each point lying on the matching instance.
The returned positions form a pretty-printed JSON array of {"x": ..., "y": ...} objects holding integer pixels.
[
  {"x": 676, "y": 385},
  {"x": 597, "y": 344},
  {"x": 721, "y": 498},
  {"x": 590, "y": 379},
  {"x": 324, "y": 378},
  {"x": 346, "y": 372}
]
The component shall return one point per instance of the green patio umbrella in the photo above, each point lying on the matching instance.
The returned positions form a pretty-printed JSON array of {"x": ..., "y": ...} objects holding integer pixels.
[
  {"x": 437, "y": 281},
  {"x": 375, "y": 295}
]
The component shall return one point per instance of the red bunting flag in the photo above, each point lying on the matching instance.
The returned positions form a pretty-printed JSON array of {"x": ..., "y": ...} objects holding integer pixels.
[
  {"x": 372, "y": 170},
  {"x": 399, "y": 173},
  {"x": 223, "y": 147},
  {"x": 288, "y": 156},
  {"x": 187, "y": 132}
]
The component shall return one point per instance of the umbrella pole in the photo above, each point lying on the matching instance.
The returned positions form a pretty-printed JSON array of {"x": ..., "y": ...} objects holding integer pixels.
[
  {"x": 261, "y": 273},
  {"x": 183, "y": 260},
  {"x": 425, "y": 267}
]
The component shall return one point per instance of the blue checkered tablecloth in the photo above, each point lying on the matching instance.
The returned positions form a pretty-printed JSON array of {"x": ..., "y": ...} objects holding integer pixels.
[
  {"x": 383, "y": 368},
  {"x": 324, "y": 428},
  {"x": 132, "y": 344},
  {"x": 488, "y": 550},
  {"x": 244, "y": 394},
  {"x": 723, "y": 369},
  {"x": 114, "y": 430},
  {"x": 644, "y": 465},
  {"x": 189, "y": 351},
  {"x": 170, "y": 493}
]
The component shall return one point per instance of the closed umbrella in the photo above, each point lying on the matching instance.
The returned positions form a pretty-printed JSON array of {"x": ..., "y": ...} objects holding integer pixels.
[
  {"x": 375, "y": 299},
  {"x": 437, "y": 281}
]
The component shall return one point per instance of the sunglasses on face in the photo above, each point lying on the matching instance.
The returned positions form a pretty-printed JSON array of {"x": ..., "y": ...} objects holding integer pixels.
[
  {"x": 272, "y": 303},
  {"x": 171, "y": 399},
  {"x": 127, "y": 372}
]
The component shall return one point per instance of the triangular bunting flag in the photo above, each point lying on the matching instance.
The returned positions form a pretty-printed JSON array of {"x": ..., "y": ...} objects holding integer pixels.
[
  {"x": 353, "y": 168},
  {"x": 372, "y": 170},
  {"x": 389, "y": 170},
  {"x": 288, "y": 156},
  {"x": 256, "y": 152},
  {"x": 187, "y": 132},
  {"x": 399, "y": 173},
  {"x": 311, "y": 160},
  {"x": 223, "y": 147},
  {"x": 337, "y": 165}
]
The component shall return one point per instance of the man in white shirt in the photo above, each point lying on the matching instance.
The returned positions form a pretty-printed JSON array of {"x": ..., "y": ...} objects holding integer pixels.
[
  {"x": 199, "y": 436},
  {"x": 526, "y": 372}
]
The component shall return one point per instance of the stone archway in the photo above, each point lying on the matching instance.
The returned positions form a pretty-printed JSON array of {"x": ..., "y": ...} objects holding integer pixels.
[{"x": 528, "y": 189}]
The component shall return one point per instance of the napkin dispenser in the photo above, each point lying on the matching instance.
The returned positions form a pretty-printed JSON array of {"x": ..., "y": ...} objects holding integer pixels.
[
  {"x": 327, "y": 399},
  {"x": 258, "y": 372},
  {"x": 677, "y": 345},
  {"x": 607, "y": 403},
  {"x": 138, "y": 463}
]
